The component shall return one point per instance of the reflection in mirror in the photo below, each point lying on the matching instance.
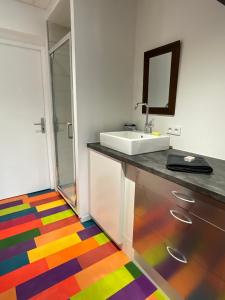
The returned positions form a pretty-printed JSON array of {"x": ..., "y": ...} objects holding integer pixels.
[{"x": 160, "y": 78}]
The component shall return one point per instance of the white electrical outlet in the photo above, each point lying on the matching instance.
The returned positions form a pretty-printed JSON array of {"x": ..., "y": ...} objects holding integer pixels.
[
  {"x": 174, "y": 130},
  {"x": 170, "y": 130},
  {"x": 177, "y": 130}
]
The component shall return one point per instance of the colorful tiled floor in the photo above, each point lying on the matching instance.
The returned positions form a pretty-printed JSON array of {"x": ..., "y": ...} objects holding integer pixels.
[{"x": 46, "y": 253}]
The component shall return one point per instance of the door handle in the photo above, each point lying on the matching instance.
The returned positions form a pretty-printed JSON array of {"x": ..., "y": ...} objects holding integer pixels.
[
  {"x": 180, "y": 217},
  {"x": 69, "y": 135},
  {"x": 177, "y": 255},
  {"x": 42, "y": 124},
  {"x": 183, "y": 197}
]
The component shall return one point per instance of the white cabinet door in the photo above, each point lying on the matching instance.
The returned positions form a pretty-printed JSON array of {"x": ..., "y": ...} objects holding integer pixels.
[{"x": 106, "y": 194}]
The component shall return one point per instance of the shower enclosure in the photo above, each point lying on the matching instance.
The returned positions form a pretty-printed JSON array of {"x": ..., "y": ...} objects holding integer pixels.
[{"x": 60, "y": 57}]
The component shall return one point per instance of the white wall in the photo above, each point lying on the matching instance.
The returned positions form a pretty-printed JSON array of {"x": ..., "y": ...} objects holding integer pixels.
[
  {"x": 22, "y": 22},
  {"x": 55, "y": 33},
  {"x": 200, "y": 25},
  {"x": 104, "y": 38}
]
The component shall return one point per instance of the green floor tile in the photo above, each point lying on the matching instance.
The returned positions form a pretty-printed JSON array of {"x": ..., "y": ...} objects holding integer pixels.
[
  {"x": 13, "y": 209},
  {"x": 58, "y": 216},
  {"x": 18, "y": 238},
  {"x": 101, "y": 238},
  {"x": 106, "y": 287},
  {"x": 133, "y": 269}
]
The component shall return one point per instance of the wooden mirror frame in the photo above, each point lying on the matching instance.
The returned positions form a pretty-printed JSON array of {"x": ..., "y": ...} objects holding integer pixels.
[{"x": 175, "y": 49}]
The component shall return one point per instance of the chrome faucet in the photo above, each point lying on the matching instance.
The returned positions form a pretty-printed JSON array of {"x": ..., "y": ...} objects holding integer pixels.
[{"x": 148, "y": 124}]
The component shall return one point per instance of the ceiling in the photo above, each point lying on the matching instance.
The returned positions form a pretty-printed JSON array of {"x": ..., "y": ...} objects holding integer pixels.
[
  {"x": 37, "y": 3},
  {"x": 61, "y": 13}
]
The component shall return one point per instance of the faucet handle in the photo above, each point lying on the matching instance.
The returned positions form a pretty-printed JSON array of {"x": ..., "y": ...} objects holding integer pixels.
[
  {"x": 151, "y": 122},
  {"x": 149, "y": 126}
]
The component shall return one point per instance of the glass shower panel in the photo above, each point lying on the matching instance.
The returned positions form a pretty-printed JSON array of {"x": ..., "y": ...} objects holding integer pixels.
[{"x": 63, "y": 121}]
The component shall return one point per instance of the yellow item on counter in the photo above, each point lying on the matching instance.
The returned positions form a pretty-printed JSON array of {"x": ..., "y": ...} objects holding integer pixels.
[{"x": 156, "y": 133}]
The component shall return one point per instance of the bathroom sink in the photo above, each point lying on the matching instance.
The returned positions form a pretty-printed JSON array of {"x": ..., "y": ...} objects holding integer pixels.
[{"x": 134, "y": 142}]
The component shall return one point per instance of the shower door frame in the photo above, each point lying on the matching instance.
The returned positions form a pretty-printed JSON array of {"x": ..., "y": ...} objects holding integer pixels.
[{"x": 66, "y": 38}]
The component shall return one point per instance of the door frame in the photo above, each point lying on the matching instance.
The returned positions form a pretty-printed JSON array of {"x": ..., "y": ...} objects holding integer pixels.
[
  {"x": 66, "y": 38},
  {"x": 63, "y": 40},
  {"x": 46, "y": 98}
]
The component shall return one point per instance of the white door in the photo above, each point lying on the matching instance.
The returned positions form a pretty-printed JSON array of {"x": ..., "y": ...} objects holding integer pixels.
[{"x": 24, "y": 166}]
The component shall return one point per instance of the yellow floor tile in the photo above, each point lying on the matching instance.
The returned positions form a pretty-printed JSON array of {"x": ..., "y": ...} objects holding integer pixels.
[
  {"x": 50, "y": 205},
  {"x": 53, "y": 247},
  {"x": 58, "y": 233}
]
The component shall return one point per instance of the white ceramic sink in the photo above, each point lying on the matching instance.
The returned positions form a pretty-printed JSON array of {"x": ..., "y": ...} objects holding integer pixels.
[{"x": 134, "y": 142}]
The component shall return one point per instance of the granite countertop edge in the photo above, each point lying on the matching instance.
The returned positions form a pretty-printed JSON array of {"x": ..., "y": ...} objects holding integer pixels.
[{"x": 146, "y": 162}]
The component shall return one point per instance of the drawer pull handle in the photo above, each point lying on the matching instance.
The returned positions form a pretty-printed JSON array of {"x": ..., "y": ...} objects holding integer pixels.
[
  {"x": 177, "y": 215},
  {"x": 176, "y": 255},
  {"x": 183, "y": 197}
]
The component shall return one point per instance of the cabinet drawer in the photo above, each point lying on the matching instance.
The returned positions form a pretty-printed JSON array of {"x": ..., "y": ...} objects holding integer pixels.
[
  {"x": 195, "y": 238},
  {"x": 201, "y": 242},
  {"x": 187, "y": 276},
  {"x": 172, "y": 236},
  {"x": 198, "y": 204}
]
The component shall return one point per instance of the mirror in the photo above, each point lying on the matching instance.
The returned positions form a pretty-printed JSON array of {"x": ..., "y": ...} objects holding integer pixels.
[{"x": 161, "y": 67}]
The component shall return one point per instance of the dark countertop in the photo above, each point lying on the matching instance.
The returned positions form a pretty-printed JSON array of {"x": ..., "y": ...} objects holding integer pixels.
[{"x": 155, "y": 162}]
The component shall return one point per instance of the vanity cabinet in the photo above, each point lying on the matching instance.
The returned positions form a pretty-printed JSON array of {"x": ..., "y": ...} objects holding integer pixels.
[
  {"x": 106, "y": 177},
  {"x": 180, "y": 235}
]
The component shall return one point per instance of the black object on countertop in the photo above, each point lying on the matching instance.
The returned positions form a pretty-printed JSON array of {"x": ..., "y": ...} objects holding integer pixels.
[{"x": 198, "y": 165}]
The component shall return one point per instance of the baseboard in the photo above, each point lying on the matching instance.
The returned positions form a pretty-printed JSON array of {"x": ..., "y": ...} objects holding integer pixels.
[
  {"x": 127, "y": 247},
  {"x": 85, "y": 218}
]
